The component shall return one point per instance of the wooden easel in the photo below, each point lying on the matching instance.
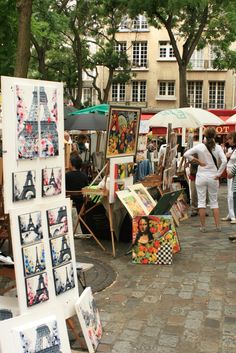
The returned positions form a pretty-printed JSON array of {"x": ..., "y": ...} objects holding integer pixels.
[{"x": 87, "y": 191}]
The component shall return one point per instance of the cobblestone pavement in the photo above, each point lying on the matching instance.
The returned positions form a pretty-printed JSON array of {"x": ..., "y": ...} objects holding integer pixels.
[{"x": 189, "y": 306}]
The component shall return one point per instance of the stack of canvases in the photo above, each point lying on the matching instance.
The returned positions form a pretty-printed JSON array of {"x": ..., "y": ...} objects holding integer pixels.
[{"x": 154, "y": 237}]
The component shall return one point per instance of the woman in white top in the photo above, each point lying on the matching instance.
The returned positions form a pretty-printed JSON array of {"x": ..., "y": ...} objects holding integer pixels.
[
  {"x": 231, "y": 156},
  {"x": 208, "y": 174}
]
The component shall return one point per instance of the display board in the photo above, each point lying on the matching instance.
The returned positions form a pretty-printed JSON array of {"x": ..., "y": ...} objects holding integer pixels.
[
  {"x": 33, "y": 148},
  {"x": 41, "y": 331},
  {"x": 43, "y": 249}
]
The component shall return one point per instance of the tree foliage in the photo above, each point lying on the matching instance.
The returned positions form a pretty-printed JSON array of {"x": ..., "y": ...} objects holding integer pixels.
[
  {"x": 8, "y": 36},
  {"x": 193, "y": 23}
]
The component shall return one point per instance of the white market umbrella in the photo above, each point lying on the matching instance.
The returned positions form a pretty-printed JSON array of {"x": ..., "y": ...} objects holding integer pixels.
[
  {"x": 184, "y": 118},
  {"x": 231, "y": 120}
]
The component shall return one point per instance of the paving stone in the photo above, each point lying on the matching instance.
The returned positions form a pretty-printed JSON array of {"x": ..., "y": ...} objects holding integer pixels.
[{"x": 168, "y": 340}]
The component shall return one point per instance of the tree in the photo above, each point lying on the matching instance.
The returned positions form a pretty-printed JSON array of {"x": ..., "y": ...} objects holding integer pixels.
[
  {"x": 8, "y": 37},
  {"x": 107, "y": 16},
  {"x": 195, "y": 23},
  {"x": 24, "y": 8}
]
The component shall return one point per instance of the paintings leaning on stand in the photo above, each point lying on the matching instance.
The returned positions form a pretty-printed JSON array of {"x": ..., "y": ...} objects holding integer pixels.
[
  {"x": 89, "y": 319},
  {"x": 149, "y": 233},
  {"x": 122, "y": 131}
]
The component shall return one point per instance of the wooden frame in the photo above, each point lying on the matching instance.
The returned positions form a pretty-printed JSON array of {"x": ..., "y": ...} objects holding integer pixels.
[{"x": 122, "y": 131}]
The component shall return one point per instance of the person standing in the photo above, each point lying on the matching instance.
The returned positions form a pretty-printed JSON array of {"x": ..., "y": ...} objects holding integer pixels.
[
  {"x": 208, "y": 175},
  {"x": 232, "y": 174},
  {"x": 231, "y": 157}
]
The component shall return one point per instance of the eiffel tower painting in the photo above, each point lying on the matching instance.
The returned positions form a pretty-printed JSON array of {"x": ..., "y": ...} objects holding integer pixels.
[
  {"x": 37, "y": 289},
  {"x": 27, "y": 122},
  {"x": 48, "y": 123},
  {"x": 65, "y": 252},
  {"x": 24, "y": 185},
  {"x": 52, "y": 181},
  {"x": 64, "y": 278}
]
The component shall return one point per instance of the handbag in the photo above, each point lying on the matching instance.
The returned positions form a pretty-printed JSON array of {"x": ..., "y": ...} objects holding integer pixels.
[{"x": 213, "y": 157}]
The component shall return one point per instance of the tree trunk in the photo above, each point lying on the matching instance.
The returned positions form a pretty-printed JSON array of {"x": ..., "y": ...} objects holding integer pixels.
[
  {"x": 24, "y": 8},
  {"x": 183, "y": 99},
  {"x": 108, "y": 86}
]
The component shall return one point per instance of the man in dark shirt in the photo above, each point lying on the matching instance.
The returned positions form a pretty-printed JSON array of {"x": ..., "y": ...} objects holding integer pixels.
[{"x": 75, "y": 179}]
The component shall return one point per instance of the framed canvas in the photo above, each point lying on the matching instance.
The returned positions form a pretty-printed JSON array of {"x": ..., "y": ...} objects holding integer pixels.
[
  {"x": 144, "y": 196},
  {"x": 57, "y": 221},
  {"x": 64, "y": 278},
  {"x": 26, "y": 102},
  {"x": 48, "y": 116},
  {"x": 51, "y": 181},
  {"x": 33, "y": 259},
  {"x": 37, "y": 289},
  {"x": 60, "y": 250},
  {"x": 89, "y": 319},
  {"x": 132, "y": 203},
  {"x": 30, "y": 226},
  {"x": 41, "y": 331},
  {"x": 122, "y": 131},
  {"x": 148, "y": 234},
  {"x": 23, "y": 187}
]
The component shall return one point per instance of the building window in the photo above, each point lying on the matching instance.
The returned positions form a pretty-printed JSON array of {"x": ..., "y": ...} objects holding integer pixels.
[
  {"x": 166, "y": 89},
  {"x": 124, "y": 25},
  {"x": 197, "y": 60},
  {"x": 120, "y": 47},
  {"x": 139, "y": 91},
  {"x": 140, "y": 23},
  {"x": 217, "y": 95},
  {"x": 118, "y": 92},
  {"x": 195, "y": 93},
  {"x": 166, "y": 51},
  {"x": 87, "y": 95},
  {"x": 140, "y": 54}
]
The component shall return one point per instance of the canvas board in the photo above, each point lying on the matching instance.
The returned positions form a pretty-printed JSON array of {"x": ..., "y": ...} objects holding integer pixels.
[
  {"x": 144, "y": 196},
  {"x": 132, "y": 203},
  {"x": 89, "y": 319},
  {"x": 51, "y": 181},
  {"x": 148, "y": 234},
  {"x": 8, "y": 307},
  {"x": 41, "y": 331},
  {"x": 116, "y": 182},
  {"x": 33, "y": 135},
  {"x": 39, "y": 257},
  {"x": 122, "y": 131},
  {"x": 166, "y": 202}
]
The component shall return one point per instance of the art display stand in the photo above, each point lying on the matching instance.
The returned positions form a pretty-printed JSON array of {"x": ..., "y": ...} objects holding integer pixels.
[{"x": 40, "y": 214}]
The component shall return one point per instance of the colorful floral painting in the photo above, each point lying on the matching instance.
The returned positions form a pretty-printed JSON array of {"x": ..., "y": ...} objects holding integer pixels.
[
  {"x": 89, "y": 319},
  {"x": 27, "y": 111},
  {"x": 48, "y": 116},
  {"x": 122, "y": 132},
  {"x": 37, "y": 289},
  {"x": 51, "y": 181},
  {"x": 148, "y": 234}
]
